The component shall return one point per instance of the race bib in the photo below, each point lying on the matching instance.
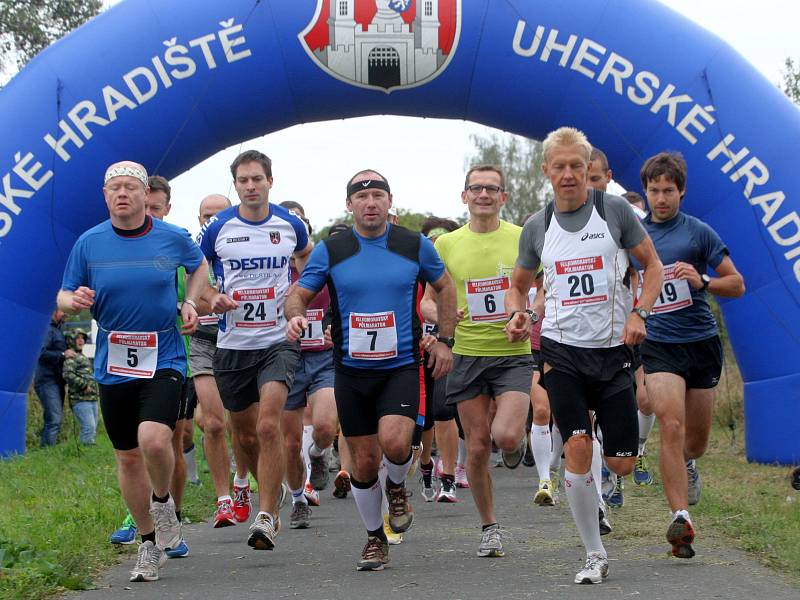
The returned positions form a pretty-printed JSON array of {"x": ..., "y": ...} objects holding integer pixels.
[
  {"x": 428, "y": 328},
  {"x": 132, "y": 353},
  {"x": 373, "y": 336},
  {"x": 257, "y": 308},
  {"x": 486, "y": 299},
  {"x": 313, "y": 335},
  {"x": 581, "y": 281},
  {"x": 532, "y": 296},
  {"x": 675, "y": 293},
  {"x": 211, "y": 319}
]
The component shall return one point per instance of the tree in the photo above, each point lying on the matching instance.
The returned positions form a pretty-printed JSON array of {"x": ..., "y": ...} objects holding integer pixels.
[
  {"x": 27, "y": 28},
  {"x": 521, "y": 159},
  {"x": 791, "y": 80}
]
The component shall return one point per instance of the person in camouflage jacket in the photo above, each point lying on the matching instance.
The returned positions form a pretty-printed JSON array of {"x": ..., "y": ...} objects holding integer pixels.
[{"x": 83, "y": 394}]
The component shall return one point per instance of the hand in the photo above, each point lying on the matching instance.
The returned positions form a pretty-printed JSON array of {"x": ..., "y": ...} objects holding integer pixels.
[
  {"x": 295, "y": 328},
  {"x": 634, "y": 331},
  {"x": 460, "y": 314},
  {"x": 518, "y": 328},
  {"x": 82, "y": 298},
  {"x": 190, "y": 320},
  {"x": 221, "y": 303},
  {"x": 689, "y": 273},
  {"x": 69, "y": 353},
  {"x": 441, "y": 359},
  {"x": 427, "y": 342},
  {"x": 328, "y": 338}
]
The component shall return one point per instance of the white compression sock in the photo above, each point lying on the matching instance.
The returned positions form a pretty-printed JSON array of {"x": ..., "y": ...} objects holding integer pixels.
[
  {"x": 541, "y": 445},
  {"x": 462, "y": 452},
  {"x": 368, "y": 502},
  {"x": 583, "y": 505},
  {"x": 190, "y": 456},
  {"x": 645, "y": 427},
  {"x": 597, "y": 467},
  {"x": 397, "y": 473},
  {"x": 558, "y": 448}
]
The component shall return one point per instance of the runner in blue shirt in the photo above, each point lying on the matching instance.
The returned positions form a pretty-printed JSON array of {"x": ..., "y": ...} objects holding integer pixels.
[{"x": 372, "y": 271}]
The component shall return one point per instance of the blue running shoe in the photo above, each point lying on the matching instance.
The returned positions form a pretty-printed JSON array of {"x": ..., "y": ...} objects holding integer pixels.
[
  {"x": 179, "y": 551},
  {"x": 126, "y": 534},
  {"x": 617, "y": 498},
  {"x": 641, "y": 472}
]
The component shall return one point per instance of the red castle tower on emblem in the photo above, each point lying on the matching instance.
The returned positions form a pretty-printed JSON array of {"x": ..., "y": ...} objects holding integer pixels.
[{"x": 383, "y": 44}]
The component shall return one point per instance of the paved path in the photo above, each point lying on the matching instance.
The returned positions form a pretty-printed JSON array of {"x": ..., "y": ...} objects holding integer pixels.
[{"x": 437, "y": 560}]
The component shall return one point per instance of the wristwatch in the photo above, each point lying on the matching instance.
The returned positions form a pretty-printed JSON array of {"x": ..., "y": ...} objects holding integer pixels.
[
  {"x": 534, "y": 317},
  {"x": 447, "y": 341},
  {"x": 642, "y": 313},
  {"x": 706, "y": 281}
]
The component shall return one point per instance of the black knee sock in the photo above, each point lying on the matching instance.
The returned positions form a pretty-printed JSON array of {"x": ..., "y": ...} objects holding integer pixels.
[{"x": 149, "y": 537}]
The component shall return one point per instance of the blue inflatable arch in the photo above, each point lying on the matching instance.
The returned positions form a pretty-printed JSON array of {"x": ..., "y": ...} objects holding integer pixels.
[{"x": 170, "y": 83}]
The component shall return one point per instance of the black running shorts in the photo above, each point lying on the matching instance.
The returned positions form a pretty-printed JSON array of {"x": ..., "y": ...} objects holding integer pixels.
[{"x": 699, "y": 363}]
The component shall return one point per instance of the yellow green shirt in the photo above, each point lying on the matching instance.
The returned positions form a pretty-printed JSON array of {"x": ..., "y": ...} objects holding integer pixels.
[{"x": 477, "y": 257}]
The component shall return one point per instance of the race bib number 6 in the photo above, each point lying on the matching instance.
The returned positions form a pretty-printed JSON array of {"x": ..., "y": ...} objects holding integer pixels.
[
  {"x": 132, "y": 354},
  {"x": 373, "y": 336},
  {"x": 581, "y": 281},
  {"x": 486, "y": 299},
  {"x": 257, "y": 308},
  {"x": 313, "y": 335}
]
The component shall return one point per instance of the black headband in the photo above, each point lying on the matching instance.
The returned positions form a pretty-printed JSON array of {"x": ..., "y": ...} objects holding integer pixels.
[{"x": 368, "y": 184}]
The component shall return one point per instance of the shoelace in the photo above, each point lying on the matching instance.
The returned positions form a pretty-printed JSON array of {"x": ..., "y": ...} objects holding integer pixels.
[
  {"x": 373, "y": 548},
  {"x": 242, "y": 496},
  {"x": 168, "y": 519},
  {"x": 397, "y": 500},
  {"x": 492, "y": 537},
  {"x": 594, "y": 562}
]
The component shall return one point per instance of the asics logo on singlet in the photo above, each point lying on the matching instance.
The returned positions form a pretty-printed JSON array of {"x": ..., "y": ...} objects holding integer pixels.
[
  {"x": 592, "y": 236},
  {"x": 259, "y": 262}
]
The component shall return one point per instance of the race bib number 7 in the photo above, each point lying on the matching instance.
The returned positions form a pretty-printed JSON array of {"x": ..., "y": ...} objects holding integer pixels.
[
  {"x": 132, "y": 354},
  {"x": 373, "y": 336},
  {"x": 486, "y": 299},
  {"x": 581, "y": 281},
  {"x": 257, "y": 308}
]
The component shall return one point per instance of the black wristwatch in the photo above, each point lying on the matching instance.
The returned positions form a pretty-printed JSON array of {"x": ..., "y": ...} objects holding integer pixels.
[
  {"x": 642, "y": 313},
  {"x": 534, "y": 317},
  {"x": 447, "y": 341},
  {"x": 706, "y": 281}
]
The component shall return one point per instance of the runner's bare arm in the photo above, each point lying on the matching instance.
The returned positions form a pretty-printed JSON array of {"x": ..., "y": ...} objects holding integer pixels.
[
  {"x": 518, "y": 327},
  {"x": 295, "y": 311},
  {"x": 74, "y": 302},
  {"x": 653, "y": 276},
  {"x": 301, "y": 256},
  {"x": 729, "y": 284},
  {"x": 427, "y": 306},
  {"x": 441, "y": 356},
  {"x": 196, "y": 282}
]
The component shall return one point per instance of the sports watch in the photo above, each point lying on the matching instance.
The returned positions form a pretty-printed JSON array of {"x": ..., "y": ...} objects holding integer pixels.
[
  {"x": 447, "y": 341},
  {"x": 642, "y": 313},
  {"x": 706, "y": 281}
]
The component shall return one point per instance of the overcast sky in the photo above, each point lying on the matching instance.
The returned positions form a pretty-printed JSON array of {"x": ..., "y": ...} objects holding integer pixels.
[{"x": 765, "y": 32}]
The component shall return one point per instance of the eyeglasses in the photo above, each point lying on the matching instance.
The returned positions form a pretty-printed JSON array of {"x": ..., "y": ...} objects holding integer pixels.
[{"x": 490, "y": 189}]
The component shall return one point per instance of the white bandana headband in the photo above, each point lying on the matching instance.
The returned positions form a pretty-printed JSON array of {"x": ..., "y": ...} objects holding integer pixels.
[{"x": 119, "y": 171}]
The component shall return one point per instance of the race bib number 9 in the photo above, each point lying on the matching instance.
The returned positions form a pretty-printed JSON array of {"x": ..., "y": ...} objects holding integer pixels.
[
  {"x": 581, "y": 281},
  {"x": 486, "y": 299},
  {"x": 132, "y": 354},
  {"x": 313, "y": 335},
  {"x": 675, "y": 293},
  {"x": 373, "y": 336},
  {"x": 257, "y": 308}
]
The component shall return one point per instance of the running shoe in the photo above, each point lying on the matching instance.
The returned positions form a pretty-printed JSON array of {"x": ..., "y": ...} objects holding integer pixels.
[
  {"x": 680, "y": 535},
  {"x": 595, "y": 569},
  {"x": 300, "y": 517},
  {"x": 241, "y": 503},
  {"x": 461, "y": 477},
  {"x": 447, "y": 491},
  {"x": 617, "y": 497},
  {"x": 374, "y": 555},
  {"x": 126, "y": 534},
  {"x": 168, "y": 527},
  {"x": 491, "y": 542},
  {"x": 263, "y": 532},
  {"x": 393, "y": 538},
  {"x": 528, "y": 459},
  {"x": 311, "y": 494},
  {"x": 179, "y": 551},
  {"x": 641, "y": 472},
  {"x": 544, "y": 497},
  {"x": 400, "y": 512},
  {"x": 602, "y": 516},
  {"x": 607, "y": 483},
  {"x": 149, "y": 559},
  {"x": 341, "y": 485},
  {"x": 284, "y": 494},
  {"x": 695, "y": 484},
  {"x": 513, "y": 458},
  {"x": 224, "y": 516},
  {"x": 320, "y": 476},
  {"x": 428, "y": 493}
]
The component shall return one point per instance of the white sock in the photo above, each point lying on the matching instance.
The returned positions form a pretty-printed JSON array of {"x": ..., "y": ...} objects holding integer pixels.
[
  {"x": 397, "y": 473},
  {"x": 681, "y": 513},
  {"x": 299, "y": 496},
  {"x": 645, "y": 427},
  {"x": 462, "y": 453},
  {"x": 597, "y": 467},
  {"x": 541, "y": 445},
  {"x": 224, "y": 499},
  {"x": 240, "y": 482},
  {"x": 308, "y": 439},
  {"x": 315, "y": 451},
  {"x": 583, "y": 505},
  {"x": 558, "y": 448},
  {"x": 368, "y": 502},
  {"x": 191, "y": 463},
  {"x": 382, "y": 474}
]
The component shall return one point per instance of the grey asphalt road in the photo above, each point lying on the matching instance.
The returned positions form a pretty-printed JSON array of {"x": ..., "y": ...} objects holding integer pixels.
[{"x": 437, "y": 559}]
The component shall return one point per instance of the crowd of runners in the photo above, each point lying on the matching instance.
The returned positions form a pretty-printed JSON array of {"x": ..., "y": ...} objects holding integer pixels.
[{"x": 565, "y": 339}]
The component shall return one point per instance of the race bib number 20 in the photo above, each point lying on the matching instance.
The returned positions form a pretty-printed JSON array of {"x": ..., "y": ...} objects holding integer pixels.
[
  {"x": 132, "y": 354},
  {"x": 373, "y": 336},
  {"x": 581, "y": 281}
]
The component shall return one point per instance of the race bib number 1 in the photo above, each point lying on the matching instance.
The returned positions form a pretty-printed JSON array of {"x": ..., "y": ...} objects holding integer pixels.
[
  {"x": 257, "y": 308},
  {"x": 373, "y": 336},
  {"x": 313, "y": 335},
  {"x": 581, "y": 281},
  {"x": 486, "y": 299},
  {"x": 132, "y": 354}
]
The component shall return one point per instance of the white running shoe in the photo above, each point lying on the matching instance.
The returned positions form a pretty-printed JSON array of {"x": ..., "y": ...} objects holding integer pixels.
[
  {"x": 168, "y": 527},
  {"x": 148, "y": 560},
  {"x": 595, "y": 569},
  {"x": 461, "y": 477}
]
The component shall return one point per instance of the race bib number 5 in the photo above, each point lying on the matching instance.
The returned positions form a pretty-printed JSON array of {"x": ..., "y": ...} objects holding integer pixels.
[
  {"x": 373, "y": 336},
  {"x": 313, "y": 335},
  {"x": 486, "y": 299},
  {"x": 257, "y": 308},
  {"x": 132, "y": 354},
  {"x": 581, "y": 281}
]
